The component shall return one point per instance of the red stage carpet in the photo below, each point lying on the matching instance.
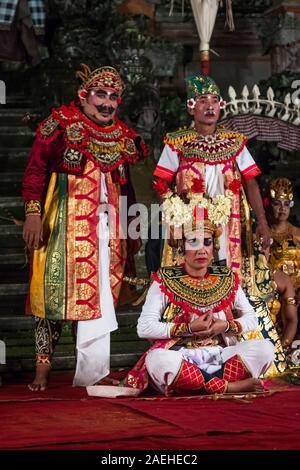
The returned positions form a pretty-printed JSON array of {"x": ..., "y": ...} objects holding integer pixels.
[{"x": 66, "y": 418}]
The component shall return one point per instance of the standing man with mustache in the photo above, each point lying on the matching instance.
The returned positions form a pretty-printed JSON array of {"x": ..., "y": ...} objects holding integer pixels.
[
  {"x": 209, "y": 159},
  {"x": 78, "y": 166}
]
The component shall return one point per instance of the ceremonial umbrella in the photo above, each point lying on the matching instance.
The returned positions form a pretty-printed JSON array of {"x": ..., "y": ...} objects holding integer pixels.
[{"x": 205, "y": 12}]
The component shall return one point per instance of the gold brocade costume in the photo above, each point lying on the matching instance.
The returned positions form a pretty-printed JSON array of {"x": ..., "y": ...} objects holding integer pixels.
[
  {"x": 266, "y": 305},
  {"x": 187, "y": 295},
  {"x": 65, "y": 282},
  {"x": 285, "y": 254},
  {"x": 195, "y": 153}
]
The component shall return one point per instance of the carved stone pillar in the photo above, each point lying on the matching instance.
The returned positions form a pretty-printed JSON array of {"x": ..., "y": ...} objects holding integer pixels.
[{"x": 281, "y": 35}]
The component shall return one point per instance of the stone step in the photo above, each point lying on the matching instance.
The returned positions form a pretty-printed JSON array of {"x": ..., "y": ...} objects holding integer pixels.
[
  {"x": 18, "y": 136},
  {"x": 12, "y": 259},
  {"x": 10, "y": 183},
  {"x": 13, "y": 274},
  {"x": 14, "y": 116},
  {"x": 12, "y": 306},
  {"x": 17, "y": 100},
  {"x": 18, "y": 334},
  {"x": 9, "y": 177},
  {"x": 22, "y": 338},
  {"x": 11, "y": 230},
  {"x": 16, "y": 130},
  {"x": 117, "y": 347},
  {"x": 10, "y": 207},
  {"x": 67, "y": 362},
  {"x": 11, "y": 215},
  {"x": 11, "y": 202},
  {"x": 13, "y": 295},
  {"x": 15, "y": 323},
  {"x": 13, "y": 289},
  {"x": 16, "y": 111},
  {"x": 10, "y": 238},
  {"x": 13, "y": 158}
]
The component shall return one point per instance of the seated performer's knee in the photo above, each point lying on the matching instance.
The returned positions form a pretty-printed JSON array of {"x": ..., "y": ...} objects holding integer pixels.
[
  {"x": 163, "y": 359},
  {"x": 163, "y": 366},
  {"x": 262, "y": 349},
  {"x": 267, "y": 350}
]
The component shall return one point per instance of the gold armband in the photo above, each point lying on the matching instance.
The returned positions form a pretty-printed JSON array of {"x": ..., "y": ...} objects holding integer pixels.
[
  {"x": 181, "y": 329},
  {"x": 33, "y": 207},
  {"x": 290, "y": 301}
]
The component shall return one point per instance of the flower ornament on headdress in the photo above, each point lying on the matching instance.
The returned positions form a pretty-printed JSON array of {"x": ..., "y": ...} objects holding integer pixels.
[
  {"x": 281, "y": 188},
  {"x": 103, "y": 77},
  {"x": 82, "y": 94},
  {"x": 191, "y": 103},
  {"x": 222, "y": 103},
  {"x": 180, "y": 210}
]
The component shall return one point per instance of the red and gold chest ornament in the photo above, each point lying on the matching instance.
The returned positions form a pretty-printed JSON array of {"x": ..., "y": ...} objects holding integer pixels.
[
  {"x": 108, "y": 147},
  {"x": 221, "y": 147},
  {"x": 213, "y": 293}
]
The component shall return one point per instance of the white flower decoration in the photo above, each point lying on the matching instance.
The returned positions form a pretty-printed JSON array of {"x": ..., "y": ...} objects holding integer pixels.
[
  {"x": 177, "y": 213},
  {"x": 191, "y": 103}
]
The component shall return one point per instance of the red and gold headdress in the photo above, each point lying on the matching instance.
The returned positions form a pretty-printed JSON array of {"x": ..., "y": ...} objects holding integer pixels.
[{"x": 103, "y": 77}]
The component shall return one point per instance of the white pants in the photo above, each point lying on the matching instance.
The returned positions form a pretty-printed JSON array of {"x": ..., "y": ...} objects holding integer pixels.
[
  {"x": 93, "y": 336},
  {"x": 163, "y": 365}
]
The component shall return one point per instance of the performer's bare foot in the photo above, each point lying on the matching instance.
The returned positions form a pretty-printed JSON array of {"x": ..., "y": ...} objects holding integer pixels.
[
  {"x": 247, "y": 385},
  {"x": 40, "y": 382}
]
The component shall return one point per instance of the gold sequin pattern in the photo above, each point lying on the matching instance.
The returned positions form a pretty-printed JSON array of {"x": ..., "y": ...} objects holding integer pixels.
[
  {"x": 213, "y": 149},
  {"x": 203, "y": 293}
]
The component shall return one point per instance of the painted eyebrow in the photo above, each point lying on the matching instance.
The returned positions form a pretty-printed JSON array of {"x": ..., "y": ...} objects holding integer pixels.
[
  {"x": 107, "y": 93},
  {"x": 192, "y": 240}
]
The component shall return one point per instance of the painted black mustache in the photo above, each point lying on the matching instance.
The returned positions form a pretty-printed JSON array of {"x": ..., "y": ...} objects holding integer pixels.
[{"x": 105, "y": 109}]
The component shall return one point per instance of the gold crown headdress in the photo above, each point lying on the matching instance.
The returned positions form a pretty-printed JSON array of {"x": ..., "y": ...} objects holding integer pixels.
[
  {"x": 281, "y": 188},
  {"x": 105, "y": 76}
]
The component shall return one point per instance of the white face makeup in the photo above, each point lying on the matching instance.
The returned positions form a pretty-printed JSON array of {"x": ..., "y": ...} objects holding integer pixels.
[
  {"x": 281, "y": 209},
  {"x": 199, "y": 250},
  {"x": 101, "y": 104},
  {"x": 206, "y": 109},
  {"x": 198, "y": 242}
]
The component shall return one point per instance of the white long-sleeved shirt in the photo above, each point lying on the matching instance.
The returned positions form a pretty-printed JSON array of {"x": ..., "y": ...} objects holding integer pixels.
[{"x": 150, "y": 325}]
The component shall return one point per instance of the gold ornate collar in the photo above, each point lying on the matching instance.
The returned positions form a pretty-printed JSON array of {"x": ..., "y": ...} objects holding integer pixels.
[
  {"x": 221, "y": 147},
  {"x": 214, "y": 292}
]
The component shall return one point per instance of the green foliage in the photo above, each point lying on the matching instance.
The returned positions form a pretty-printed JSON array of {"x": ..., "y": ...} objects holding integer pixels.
[{"x": 174, "y": 113}]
